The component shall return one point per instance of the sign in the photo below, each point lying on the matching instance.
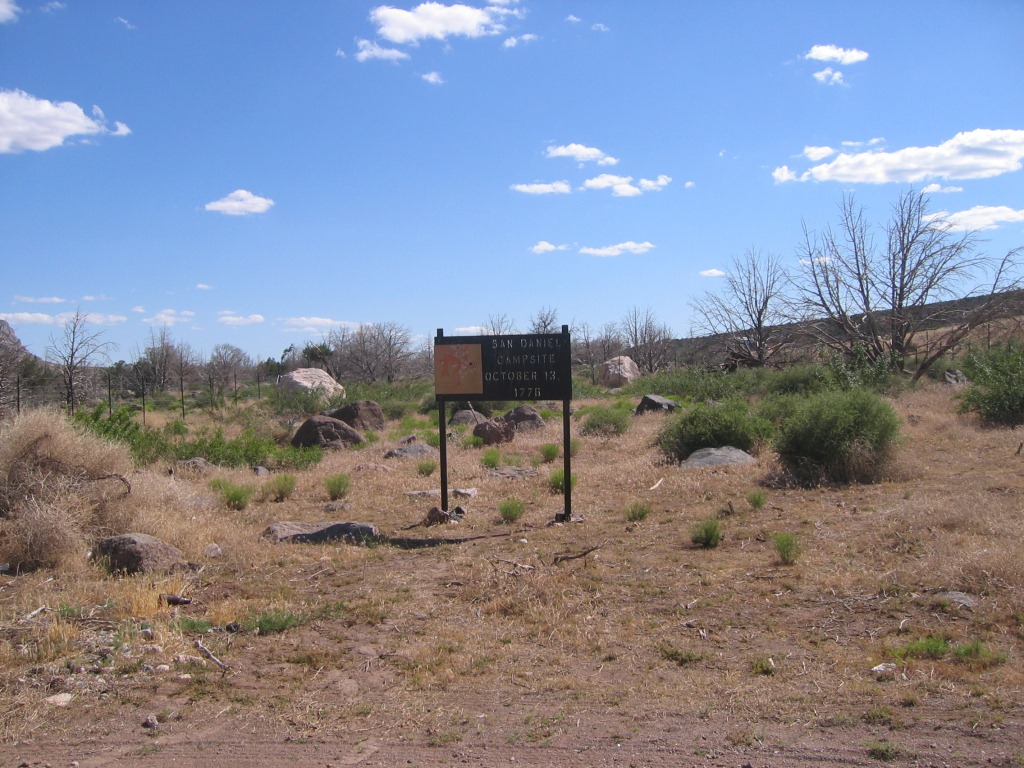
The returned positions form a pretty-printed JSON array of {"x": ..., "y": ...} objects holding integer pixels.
[{"x": 536, "y": 366}]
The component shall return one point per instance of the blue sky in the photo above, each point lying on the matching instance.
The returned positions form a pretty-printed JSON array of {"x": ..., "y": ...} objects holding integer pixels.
[{"x": 260, "y": 173}]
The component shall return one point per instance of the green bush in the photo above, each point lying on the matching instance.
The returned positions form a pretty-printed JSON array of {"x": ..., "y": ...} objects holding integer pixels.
[
  {"x": 556, "y": 481},
  {"x": 279, "y": 487},
  {"x": 491, "y": 458},
  {"x": 605, "y": 421},
  {"x": 847, "y": 436},
  {"x": 510, "y": 510},
  {"x": 713, "y": 426},
  {"x": 337, "y": 486},
  {"x": 637, "y": 512},
  {"x": 235, "y": 496},
  {"x": 707, "y": 533},
  {"x": 756, "y": 499},
  {"x": 996, "y": 391},
  {"x": 787, "y": 546},
  {"x": 549, "y": 452},
  {"x": 426, "y": 467},
  {"x": 472, "y": 441}
]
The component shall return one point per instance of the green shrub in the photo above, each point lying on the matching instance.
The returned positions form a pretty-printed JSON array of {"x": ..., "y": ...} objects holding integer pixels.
[
  {"x": 473, "y": 441},
  {"x": 574, "y": 447},
  {"x": 787, "y": 546},
  {"x": 549, "y": 452},
  {"x": 848, "y": 436},
  {"x": 707, "y": 533},
  {"x": 279, "y": 487},
  {"x": 929, "y": 647},
  {"x": 605, "y": 421},
  {"x": 510, "y": 510},
  {"x": 235, "y": 496},
  {"x": 271, "y": 622},
  {"x": 556, "y": 481},
  {"x": 426, "y": 467},
  {"x": 756, "y": 499},
  {"x": 491, "y": 458},
  {"x": 713, "y": 426},
  {"x": 337, "y": 486},
  {"x": 799, "y": 380},
  {"x": 637, "y": 512},
  {"x": 996, "y": 391}
]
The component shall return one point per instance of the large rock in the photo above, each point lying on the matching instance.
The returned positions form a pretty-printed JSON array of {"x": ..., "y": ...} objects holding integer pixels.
[
  {"x": 495, "y": 431},
  {"x": 469, "y": 417},
  {"x": 655, "y": 404},
  {"x": 524, "y": 417},
  {"x": 304, "y": 380},
  {"x": 412, "y": 447},
  {"x": 326, "y": 432},
  {"x": 618, "y": 372},
  {"x": 321, "y": 533},
  {"x": 718, "y": 457},
  {"x": 139, "y": 553},
  {"x": 361, "y": 414}
]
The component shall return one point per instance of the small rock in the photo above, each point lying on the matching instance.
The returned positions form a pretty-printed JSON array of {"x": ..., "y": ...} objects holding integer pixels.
[
  {"x": 151, "y": 722},
  {"x": 261, "y": 471},
  {"x": 883, "y": 669},
  {"x": 212, "y": 551},
  {"x": 60, "y": 699},
  {"x": 464, "y": 493},
  {"x": 162, "y": 668},
  {"x": 152, "y": 649},
  {"x": 146, "y": 634}
]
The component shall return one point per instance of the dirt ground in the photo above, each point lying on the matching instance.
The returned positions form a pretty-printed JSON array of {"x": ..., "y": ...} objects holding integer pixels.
[{"x": 473, "y": 644}]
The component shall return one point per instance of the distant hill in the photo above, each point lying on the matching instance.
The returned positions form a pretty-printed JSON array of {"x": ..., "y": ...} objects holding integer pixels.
[{"x": 9, "y": 339}]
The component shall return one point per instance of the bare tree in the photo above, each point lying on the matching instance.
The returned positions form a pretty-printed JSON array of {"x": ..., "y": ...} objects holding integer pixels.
[
  {"x": 153, "y": 365},
  {"x": 226, "y": 363},
  {"x": 378, "y": 351},
  {"x": 499, "y": 325},
  {"x": 905, "y": 297},
  {"x": 647, "y": 339},
  {"x": 545, "y": 320},
  {"x": 11, "y": 356},
  {"x": 748, "y": 310},
  {"x": 78, "y": 348}
]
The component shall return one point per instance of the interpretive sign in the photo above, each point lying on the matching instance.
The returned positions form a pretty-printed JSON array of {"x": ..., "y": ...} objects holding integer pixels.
[
  {"x": 536, "y": 366},
  {"x": 533, "y": 366}
]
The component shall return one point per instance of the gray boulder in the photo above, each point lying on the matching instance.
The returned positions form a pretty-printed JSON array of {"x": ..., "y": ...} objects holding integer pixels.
[
  {"x": 361, "y": 415},
  {"x": 618, "y": 372},
  {"x": 139, "y": 553},
  {"x": 655, "y": 404},
  {"x": 412, "y": 449},
  {"x": 326, "y": 432},
  {"x": 495, "y": 431},
  {"x": 322, "y": 533},
  {"x": 718, "y": 457},
  {"x": 524, "y": 417},
  {"x": 468, "y": 417}
]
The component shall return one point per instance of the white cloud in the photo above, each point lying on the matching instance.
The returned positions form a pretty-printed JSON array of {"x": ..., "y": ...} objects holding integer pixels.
[
  {"x": 230, "y": 318},
  {"x": 138, "y": 309},
  {"x": 690, "y": 185},
  {"x": 27, "y": 122},
  {"x": 783, "y": 173},
  {"x": 39, "y": 300},
  {"x": 829, "y": 76},
  {"x": 978, "y": 154},
  {"x": 540, "y": 188},
  {"x": 619, "y": 185},
  {"x": 9, "y": 11},
  {"x": 51, "y": 7},
  {"x": 712, "y": 273},
  {"x": 618, "y": 250},
  {"x": 545, "y": 247},
  {"x": 127, "y": 24},
  {"x": 938, "y": 189},
  {"x": 170, "y": 317},
  {"x": 315, "y": 324},
  {"x": 599, "y": 27},
  {"x": 370, "y": 50},
  {"x": 869, "y": 143},
  {"x": 29, "y": 318},
  {"x": 982, "y": 217},
  {"x": 436, "y": 21},
  {"x": 814, "y": 154},
  {"x": 512, "y": 42},
  {"x": 834, "y": 53},
  {"x": 434, "y": 78},
  {"x": 582, "y": 154},
  {"x": 471, "y": 330},
  {"x": 240, "y": 203},
  {"x": 204, "y": 286},
  {"x": 96, "y": 297},
  {"x": 573, "y": 19},
  {"x": 655, "y": 185},
  {"x": 96, "y": 318}
]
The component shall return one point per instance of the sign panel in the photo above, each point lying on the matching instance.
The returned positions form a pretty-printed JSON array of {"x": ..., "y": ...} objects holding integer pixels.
[{"x": 536, "y": 366}]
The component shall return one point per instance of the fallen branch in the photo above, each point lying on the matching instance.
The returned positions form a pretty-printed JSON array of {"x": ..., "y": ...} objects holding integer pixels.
[
  {"x": 562, "y": 558},
  {"x": 209, "y": 654}
]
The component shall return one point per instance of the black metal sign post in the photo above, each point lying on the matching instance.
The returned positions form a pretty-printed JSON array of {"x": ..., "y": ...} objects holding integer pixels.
[{"x": 536, "y": 366}]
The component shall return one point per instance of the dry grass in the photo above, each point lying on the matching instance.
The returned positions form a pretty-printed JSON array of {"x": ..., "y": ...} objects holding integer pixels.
[{"x": 485, "y": 639}]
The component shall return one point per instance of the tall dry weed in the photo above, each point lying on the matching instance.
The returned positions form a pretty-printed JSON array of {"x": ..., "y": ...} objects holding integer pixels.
[{"x": 58, "y": 489}]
